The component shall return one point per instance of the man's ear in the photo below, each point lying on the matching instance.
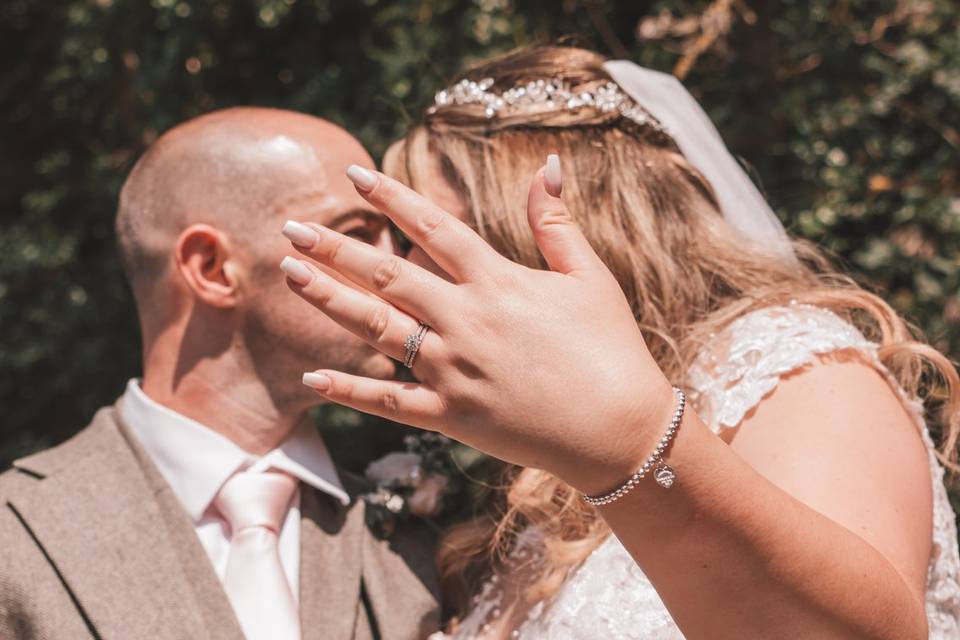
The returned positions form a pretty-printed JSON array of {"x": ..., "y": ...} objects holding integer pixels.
[{"x": 206, "y": 262}]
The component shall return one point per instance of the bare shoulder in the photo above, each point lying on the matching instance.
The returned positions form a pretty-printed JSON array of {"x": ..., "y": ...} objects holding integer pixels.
[{"x": 837, "y": 436}]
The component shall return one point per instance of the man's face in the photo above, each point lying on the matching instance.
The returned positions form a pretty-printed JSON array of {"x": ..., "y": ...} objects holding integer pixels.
[{"x": 285, "y": 335}]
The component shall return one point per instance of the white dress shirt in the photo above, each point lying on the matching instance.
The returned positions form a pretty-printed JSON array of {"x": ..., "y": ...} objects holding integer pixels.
[{"x": 196, "y": 460}]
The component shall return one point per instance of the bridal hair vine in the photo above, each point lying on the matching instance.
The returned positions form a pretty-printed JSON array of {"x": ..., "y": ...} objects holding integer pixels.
[{"x": 544, "y": 96}]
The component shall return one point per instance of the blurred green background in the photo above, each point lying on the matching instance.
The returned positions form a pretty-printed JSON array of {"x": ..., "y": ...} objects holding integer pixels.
[{"x": 847, "y": 112}]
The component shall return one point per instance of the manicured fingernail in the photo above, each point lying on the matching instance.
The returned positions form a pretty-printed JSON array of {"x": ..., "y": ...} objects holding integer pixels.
[
  {"x": 363, "y": 178},
  {"x": 552, "y": 177},
  {"x": 296, "y": 271},
  {"x": 318, "y": 381},
  {"x": 300, "y": 234}
]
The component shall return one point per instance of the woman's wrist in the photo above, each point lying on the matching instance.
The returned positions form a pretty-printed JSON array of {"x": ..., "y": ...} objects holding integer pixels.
[
  {"x": 628, "y": 441},
  {"x": 654, "y": 464}
]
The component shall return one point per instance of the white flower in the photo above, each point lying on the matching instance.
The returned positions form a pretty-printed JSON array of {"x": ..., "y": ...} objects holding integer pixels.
[
  {"x": 425, "y": 500},
  {"x": 396, "y": 469},
  {"x": 394, "y": 504}
]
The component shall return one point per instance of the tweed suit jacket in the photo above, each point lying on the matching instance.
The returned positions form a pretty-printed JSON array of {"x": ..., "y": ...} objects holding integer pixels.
[{"x": 94, "y": 544}]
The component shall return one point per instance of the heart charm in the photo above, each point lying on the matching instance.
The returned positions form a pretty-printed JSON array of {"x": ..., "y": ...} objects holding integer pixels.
[{"x": 664, "y": 475}]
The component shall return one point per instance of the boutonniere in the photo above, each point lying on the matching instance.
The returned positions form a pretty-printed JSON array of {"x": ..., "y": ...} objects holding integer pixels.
[{"x": 409, "y": 483}]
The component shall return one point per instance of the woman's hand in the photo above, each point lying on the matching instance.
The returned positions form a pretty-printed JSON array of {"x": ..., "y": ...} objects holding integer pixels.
[
  {"x": 540, "y": 368},
  {"x": 548, "y": 369}
]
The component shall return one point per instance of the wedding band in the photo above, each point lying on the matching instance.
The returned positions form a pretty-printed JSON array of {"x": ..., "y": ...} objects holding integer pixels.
[{"x": 412, "y": 344}]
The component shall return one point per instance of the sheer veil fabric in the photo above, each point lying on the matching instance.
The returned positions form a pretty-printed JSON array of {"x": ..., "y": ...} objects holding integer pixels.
[{"x": 742, "y": 204}]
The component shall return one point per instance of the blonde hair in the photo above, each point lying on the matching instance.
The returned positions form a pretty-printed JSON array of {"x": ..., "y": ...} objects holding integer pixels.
[{"x": 653, "y": 219}]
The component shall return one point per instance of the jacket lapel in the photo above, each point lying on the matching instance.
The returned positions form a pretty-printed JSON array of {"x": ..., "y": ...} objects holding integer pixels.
[
  {"x": 331, "y": 547},
  {"x": 346, "y": 572},
  {"x": 205, "y": 588},
  {"x": 400, "y": 579},
  {"x": 97, "y": 519}
]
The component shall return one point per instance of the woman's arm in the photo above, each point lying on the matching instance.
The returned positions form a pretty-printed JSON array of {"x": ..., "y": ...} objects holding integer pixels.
[
  {"x": 547, "y": 369},
  {"x": 815, "y": 523}
]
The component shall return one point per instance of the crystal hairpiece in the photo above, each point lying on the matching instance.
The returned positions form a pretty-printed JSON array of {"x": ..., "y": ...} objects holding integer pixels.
[{"x": 543, "y": 95}]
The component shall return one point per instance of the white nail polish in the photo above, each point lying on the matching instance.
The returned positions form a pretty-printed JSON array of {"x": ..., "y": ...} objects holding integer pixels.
[
  {"x": 318, "y": 381},
  {"x": 300, "y": 234},
  {"x": 296, "y": 271},
  {"x": 552, "y": 176},
  {"x": 363, "y": 178}
]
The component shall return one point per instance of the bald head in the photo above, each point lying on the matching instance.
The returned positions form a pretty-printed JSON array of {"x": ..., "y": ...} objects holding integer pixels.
[
  {"x": 231, "y": 169},
  {"x": 199, "y": 224}
]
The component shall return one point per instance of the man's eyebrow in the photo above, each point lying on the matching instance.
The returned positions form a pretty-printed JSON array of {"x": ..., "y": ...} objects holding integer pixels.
[
  {"x": 282, "y": 205},
  {"x": 311, "y": 197}
]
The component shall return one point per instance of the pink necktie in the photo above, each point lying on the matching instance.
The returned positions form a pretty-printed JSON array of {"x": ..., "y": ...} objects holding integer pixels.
[{"x": 255, "y": 505}]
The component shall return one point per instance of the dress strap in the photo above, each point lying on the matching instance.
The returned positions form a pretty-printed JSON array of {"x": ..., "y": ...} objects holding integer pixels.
[{"x": 746, "y": 361}]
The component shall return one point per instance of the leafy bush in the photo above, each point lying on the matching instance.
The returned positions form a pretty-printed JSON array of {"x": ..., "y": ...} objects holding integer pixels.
[{"x": 848, "y": 112}]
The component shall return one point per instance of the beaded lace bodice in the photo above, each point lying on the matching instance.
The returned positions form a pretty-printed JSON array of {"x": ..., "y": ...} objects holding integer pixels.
[{"x": 608, "y": 596}]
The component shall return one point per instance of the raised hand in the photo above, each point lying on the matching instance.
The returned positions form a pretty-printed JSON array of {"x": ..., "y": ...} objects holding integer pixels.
[{"x": 540, "y": 368}]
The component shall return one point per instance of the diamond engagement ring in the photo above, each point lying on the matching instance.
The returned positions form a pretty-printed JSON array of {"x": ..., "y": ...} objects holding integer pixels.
[{"x": 412, "y": 344}]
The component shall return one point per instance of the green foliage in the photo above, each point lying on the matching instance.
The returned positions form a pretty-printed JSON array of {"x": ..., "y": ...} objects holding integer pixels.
[{"x": 846, "y": 110}]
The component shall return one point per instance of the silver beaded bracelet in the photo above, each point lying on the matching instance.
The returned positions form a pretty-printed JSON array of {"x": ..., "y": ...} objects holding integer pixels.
[{"x": 663, "y": 473}]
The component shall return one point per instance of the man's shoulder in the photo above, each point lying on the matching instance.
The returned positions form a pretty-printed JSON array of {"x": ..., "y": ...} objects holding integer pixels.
[
  {"x": 27, "y": 471},
  {"x": 13, "y": 480}
]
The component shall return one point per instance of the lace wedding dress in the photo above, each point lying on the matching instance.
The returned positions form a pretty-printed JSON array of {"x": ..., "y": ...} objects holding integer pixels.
[{"x": 608, "y": 596}]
